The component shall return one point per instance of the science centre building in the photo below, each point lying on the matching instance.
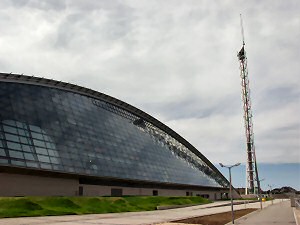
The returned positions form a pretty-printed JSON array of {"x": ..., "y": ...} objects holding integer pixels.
[{"x": 60, "y": 139}]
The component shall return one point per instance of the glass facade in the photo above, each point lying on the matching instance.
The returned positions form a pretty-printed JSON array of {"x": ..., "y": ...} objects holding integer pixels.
[{"x": 60, "y": 130}]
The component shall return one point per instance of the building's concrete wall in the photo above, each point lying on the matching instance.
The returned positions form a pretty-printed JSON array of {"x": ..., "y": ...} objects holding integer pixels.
[
  {"x": 97, "y": 190},
  {"x": 27, "y": 185}
]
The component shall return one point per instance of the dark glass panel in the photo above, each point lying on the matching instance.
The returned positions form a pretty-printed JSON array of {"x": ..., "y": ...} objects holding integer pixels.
[
  {"x": 9, "y": 129},
  {"x": 46, "y": 166},
  {"x": 21, "y": 132},
  {"x": 13, "y": 145},
  {"x": 3, "y": 161},
  {"x": 32, "y": 164},
  {"x": 27, "y": 148},
  {"x": 21, "y": 125},
  {"x": 37, "y": 135},
  {"x": 25, "y": 140},
  {"x": 2, "y": 152},
  {"x": 39, "y": 143},
  {"x": 9, "y": 122},
  {"x": 11, "y": 137},
  {"x": 53, "y": 152},
  {"x": 16, "y": 154},
  {"x": 35, "y": 128},
  {"x": 89, "y": 136},
  {"x": 43, "y": 158},
  {"x": 41, "y": 151},
  {"x": 29, "y": 156},
  {"x": 18, "y": 163},
  {"x": 54, "y": 160}
]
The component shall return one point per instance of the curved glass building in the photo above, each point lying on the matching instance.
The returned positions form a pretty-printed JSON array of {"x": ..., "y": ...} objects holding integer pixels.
[{"x": 58, "y": 138}]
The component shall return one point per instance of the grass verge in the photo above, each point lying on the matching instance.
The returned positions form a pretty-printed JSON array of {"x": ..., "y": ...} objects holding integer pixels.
[{"x": 46, "y": 206}]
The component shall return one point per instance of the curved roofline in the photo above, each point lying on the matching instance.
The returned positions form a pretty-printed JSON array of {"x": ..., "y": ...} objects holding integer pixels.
[{"x": 25, "y": 79}]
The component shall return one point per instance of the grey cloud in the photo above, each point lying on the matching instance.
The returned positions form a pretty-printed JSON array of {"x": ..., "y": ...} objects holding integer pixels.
[
  {"x": 274, "y": 98},
  {"x": 99, "y": 27},
  {"x": 90, "y": 5},
  {"x": 47, "y": 5},
  {"x": 197, "y": 107},
  {"x": 35, "y": 4},
  {"x": 173, "y": 59},
  {"x": 13, "y": 3},
  {"x": 285, "y": 133}
]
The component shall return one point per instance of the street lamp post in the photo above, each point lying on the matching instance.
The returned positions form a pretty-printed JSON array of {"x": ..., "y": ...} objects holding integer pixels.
[
  {"x": 271, "y": 195},
  {"x": 230, "y": 188},
  {"x": 259, "y": 191}
]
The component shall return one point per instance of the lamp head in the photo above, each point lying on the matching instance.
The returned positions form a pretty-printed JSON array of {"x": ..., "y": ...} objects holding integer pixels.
[
  {"x": 221, "y": 165},
  {"x": 237, "y": 164}
]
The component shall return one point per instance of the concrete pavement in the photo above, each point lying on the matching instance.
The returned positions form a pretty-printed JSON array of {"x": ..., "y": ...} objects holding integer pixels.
[
  {"x": 297, "y": 215},
  {"x": 279, "y": 214},
  {"x": 133, "y": 218}
]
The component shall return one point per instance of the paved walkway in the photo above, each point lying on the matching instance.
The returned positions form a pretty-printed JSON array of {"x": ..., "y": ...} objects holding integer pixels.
[
  {"x": 279, "y": 214},
  {"x": 134, "y": 218},
  {"x": 297, "y": 215}
]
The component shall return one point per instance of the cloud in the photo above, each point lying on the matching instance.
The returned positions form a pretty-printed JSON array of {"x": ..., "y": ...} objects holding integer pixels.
[{"x": 175, "y": 60}]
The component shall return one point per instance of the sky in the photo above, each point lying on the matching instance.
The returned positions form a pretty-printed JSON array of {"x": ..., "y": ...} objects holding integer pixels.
[{"x": 176, "y": 60}]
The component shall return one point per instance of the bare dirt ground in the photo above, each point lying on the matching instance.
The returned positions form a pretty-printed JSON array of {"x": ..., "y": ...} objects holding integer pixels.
[{"x": 215, "y": 219}]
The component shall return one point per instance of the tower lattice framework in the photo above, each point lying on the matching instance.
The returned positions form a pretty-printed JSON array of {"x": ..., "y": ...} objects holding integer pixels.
[{"x": 251, "y": 166}]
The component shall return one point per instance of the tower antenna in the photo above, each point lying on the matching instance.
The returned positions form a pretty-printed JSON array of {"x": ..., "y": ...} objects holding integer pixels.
[
  {"x": 242, "y": 30},
  {"x": 251, "y": 166}
]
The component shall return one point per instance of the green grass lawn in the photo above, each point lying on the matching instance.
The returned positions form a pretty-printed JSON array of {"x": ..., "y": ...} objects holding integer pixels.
[{"x": 44, "y": 206}]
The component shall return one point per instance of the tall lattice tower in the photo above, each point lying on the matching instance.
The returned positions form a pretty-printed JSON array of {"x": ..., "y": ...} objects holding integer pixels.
[{"x": 251, "y": 166}]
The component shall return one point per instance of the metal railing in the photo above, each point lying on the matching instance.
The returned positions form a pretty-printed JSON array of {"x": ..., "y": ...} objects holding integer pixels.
[{"x": 297, "y": 203}]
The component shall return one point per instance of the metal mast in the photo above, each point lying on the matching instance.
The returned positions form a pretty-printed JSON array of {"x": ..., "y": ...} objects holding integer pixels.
[{"x": 251, "y": 167}]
